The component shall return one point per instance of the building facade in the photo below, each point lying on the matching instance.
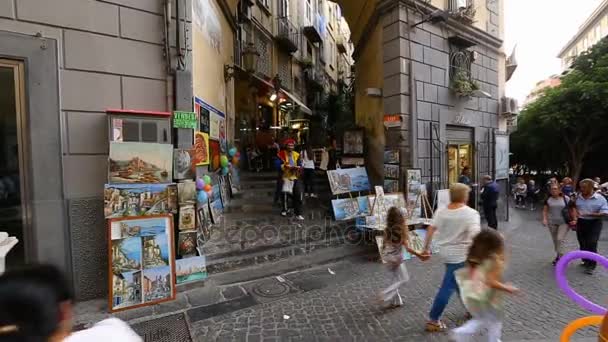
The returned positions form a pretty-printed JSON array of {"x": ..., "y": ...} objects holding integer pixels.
[
  {"x": 302, "y": 51},
  {"x": 540, "y": 86},
  {"x": 65, "y": 64},
  {"x": 592, "y": 31},
  {"x": 439, "y": 66}
]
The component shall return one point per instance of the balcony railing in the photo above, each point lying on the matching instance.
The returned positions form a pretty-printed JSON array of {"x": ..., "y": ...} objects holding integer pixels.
[
  {"x": 287, "y": 34},
  {"x": 463, "y": 10},
  {"x": 315, "y": 77},
  {"x": 313, "y": 29}
]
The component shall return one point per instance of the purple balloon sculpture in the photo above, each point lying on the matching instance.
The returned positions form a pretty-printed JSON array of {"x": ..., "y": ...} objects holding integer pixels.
[{"x": 562, "y": 281}]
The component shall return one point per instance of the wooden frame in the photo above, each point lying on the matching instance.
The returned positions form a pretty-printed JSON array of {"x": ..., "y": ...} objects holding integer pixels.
[{"x": 138, "y": 232}]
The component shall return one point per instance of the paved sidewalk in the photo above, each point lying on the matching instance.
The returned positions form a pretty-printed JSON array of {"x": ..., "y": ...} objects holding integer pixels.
[{"x": 335, "y": 302}]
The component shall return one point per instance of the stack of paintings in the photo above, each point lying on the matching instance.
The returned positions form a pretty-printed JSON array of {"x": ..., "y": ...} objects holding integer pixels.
[
  {"x": 391, "y": 171},
  {"x": 141, "y": 261}
]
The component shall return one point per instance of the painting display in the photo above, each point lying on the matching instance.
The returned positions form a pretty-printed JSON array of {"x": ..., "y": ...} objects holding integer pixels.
[
  {"x": 391, "y": 157},
  {"x": 124, "y": 200},
  {"x": 183, "y": 165},
  {"x": 186, "y": 192},
  {"x": 391, "y": 185},
  {"x": 343, "y": 181},
  {"x": 191, "y": 269},
  {"x": 353, "y": 142},
  {"x": 214, "y": 155},
  {"x": 415, "y": 189},
  {"x": 216, "y": 209},
  {"x": 352, "y": 161},
  {"x": 350, "y": 208},
  {"x": 186, "y": 244},
  {"x": 187, "y": 218},
  {"x": 141, "y": 261},
  {"x": 204, "y": 223},
  {"x": 201, "y": 149},
  {"x": 379, "y": 208},
  {"x": 225, "y": 190},
  {"x": 391, "y": 171},
  {"x": 135, "y": 162}
]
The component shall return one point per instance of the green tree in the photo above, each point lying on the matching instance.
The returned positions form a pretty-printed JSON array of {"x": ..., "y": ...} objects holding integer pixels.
[{"x": 569, "y": 121}]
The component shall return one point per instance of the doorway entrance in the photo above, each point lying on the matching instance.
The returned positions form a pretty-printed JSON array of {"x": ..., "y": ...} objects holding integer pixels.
[
  {"x": 459, "y": 157},
  {"x": 13, "y": 185}
]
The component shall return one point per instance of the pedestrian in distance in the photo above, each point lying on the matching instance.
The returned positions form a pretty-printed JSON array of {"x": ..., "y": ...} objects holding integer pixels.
[
  {"x": 465, "y": 176},
  {"x": 395, "y": 239},
  {"x": 520, "y": 192},
  {"x": 36, "y": 305},
  {"x": 308, "y": 163},
  {"x": 567, "y": 186},
  {"x": 532, "y": 196},
  {"x": 291, "y": 169},
  {"x": 489, "y": 201},
  {"x": 558, "y": 217},
  {"x": 455, "y": 226},
  {"x": 482, "y": 287},
  {"x": 591, "y": 207}
]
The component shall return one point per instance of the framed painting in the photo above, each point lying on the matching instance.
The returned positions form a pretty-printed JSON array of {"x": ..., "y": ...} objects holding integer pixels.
[
  {"x": 214, "y": 155},
  {"x": 353, "y": 161},
  {"x": 187, "y": 217},
  {"x": 216, "y": 208},
  {"x": 391, "y": 171},
  {"x": 353, "y": 142},
  {"x": 343, "y": 181},
  {"x": 183, "y": 166},
  {"x": 204, "y": 223},
  {"x": 136, "y": 162},
  {"x": 391, "y": 157},
  {"x": 225, "y": 190},
  {"x": 191, "y": 269},
  {"x": 201, "y": 149},
  {"x": 350, "y": 208},
  {"x": 186, "y": 192},
  {"x": 186, "y": 244},
  {"x": 132, "y": 200},
  {"x": 391, "y": 185},
  {"x": 413, "y": 180},
  {"x": 141, "y": 261}
]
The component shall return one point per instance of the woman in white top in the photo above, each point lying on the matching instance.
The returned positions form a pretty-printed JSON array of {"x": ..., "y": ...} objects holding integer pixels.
[
  {"x": 455, "y": 227},
  {"x": 36, "y": 306},
  {"x": 554, "y": 219},
  {"x": 308, "y": 164},
  {"x": 521, "y": 190}
]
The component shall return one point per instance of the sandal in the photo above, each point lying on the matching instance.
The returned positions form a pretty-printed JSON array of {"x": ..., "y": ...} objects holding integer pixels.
[{"x": 437, "y": 326}]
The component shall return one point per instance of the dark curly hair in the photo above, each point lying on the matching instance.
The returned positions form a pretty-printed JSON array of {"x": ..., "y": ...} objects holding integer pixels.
[
  {"x": 395, "y": 226},
  {"x": 486, "y": 244}
]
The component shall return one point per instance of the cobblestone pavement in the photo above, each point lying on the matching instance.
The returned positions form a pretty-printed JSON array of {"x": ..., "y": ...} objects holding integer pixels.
[{"x": 316, "y": 305}]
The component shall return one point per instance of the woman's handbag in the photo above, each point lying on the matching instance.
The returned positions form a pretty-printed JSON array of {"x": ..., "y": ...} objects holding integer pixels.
[{"x": 288, "y": 186}]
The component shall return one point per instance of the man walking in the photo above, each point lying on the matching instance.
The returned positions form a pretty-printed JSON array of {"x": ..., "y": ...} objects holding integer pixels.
[
  {"x": 591, "y": 207},
  {"x": 489, "y": 201}
]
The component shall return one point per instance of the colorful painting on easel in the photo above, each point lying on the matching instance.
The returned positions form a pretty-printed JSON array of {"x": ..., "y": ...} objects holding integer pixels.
[
  {"x": 343, "y": 181},
  {"x": 125, "y": 200},
  {"x": 350, "y": 208},
  {"x": 135, "y": 162}
]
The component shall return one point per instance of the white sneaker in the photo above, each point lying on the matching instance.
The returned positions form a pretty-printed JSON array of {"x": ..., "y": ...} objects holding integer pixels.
[
  {"x": 314, "y": 196},
  {"x": 283, "y": 213},
  {"x": 300, "y": 218}
]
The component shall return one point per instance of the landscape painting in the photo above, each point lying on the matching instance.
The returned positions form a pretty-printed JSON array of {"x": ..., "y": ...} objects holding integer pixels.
[
  {"x": 126, "y": 255},
  {"x": 350, "y": 208},
  {"x": 138, "y": 227},
  {"x": 186, "y": 192},
  {"x": 353, "y": 142},
  {"x": 343, "y": 181},
  {"x": 126, "y": 289},
  {"x": 155, "y": 251},
  {"x": 391, "y": 185},
  {"x": 391, "y": 157},
  {"x": 135, "y": 162},
  {"x": 187, "y": 244},
  {"x": 125, "y": 200},
  {"x": 183, "y": 165},
  {"x": 191, "y": 269},
  {"x": 157, "y": 284},
  {"x": 391, "y": 171}
]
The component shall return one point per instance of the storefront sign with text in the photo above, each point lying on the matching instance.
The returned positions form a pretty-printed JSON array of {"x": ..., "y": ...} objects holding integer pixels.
[
  {"x": 185, "y": 120},
  {"x": 392, "y": 120}
]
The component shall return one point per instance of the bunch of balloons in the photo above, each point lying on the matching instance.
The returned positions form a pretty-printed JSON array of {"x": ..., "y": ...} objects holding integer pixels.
[
  {"x": 562, "y": 281},
  {"x": 232, "y": 157},
  {"x": 204, "y": 189}
]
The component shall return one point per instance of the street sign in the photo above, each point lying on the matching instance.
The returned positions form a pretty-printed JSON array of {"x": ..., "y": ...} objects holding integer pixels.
[{"x": 185, "y": 120}]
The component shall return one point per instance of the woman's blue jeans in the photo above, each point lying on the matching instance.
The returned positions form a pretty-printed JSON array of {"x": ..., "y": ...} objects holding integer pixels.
[{"x": 448, "y": 287}]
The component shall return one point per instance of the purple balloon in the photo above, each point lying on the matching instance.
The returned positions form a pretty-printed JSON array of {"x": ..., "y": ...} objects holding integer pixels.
[
  {"x": 562, "y": 281},
  {"x": 200, "y": 184}
]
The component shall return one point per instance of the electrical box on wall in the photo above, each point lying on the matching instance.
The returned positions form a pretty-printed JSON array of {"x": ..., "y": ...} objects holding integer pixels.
[{"x": 139, "y": 126}]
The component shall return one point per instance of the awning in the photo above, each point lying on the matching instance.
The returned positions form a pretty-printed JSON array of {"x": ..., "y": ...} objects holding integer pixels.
[{"x": 292, "y": 98}]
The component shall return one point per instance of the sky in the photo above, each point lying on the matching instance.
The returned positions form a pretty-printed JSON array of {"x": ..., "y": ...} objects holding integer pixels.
[{"x": 540, "y": 28}]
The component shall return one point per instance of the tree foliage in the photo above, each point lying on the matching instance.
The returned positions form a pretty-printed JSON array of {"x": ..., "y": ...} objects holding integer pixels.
[{"x": 568, "y": 123}]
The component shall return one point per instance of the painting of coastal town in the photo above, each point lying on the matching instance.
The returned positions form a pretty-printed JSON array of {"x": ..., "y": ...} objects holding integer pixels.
[
  {"x": 135, "y": 162},
  {"x": 141, "y": 261},
  {"x": 343, "y": 181},
  {"x": 350, "y": 208},
  {"x": 127, "y": 200},
  {"x": 157, "y": 284},
  {"x": 191, "y": 269}
]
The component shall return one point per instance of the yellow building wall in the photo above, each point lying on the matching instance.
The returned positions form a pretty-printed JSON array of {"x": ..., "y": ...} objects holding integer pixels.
[
  {"x": 369, "y": 111},
  {"x": 212, "y": 48}
]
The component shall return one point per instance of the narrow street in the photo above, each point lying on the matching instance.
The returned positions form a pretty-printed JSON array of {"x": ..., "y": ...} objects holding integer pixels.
[{"x": 335, "y": 301}]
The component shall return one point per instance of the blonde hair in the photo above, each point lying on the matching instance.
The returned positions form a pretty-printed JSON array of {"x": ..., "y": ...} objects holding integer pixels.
[{"x": 459, "y": 192}]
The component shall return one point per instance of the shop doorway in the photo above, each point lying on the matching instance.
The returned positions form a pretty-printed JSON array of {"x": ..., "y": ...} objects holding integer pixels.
[
  {"x": 13, "y": 182},
  {"x": 459, "y": 157}
]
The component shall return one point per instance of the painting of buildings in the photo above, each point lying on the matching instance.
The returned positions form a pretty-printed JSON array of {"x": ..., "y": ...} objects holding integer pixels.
[
  {"x": 126, "y": 255},
  {"x": 125, "y": 200},
  {"x": 350, "y": 208},
  {"x": 126, "y": 290},
  {"x": 157, "y": 284},
  {"x": 191, "y": 269},
  {"x": 343, "y": 181},
  {"x": 135, "y": 162},
  {"x": 123, "y": 228},
  {"x": 155, "y": 251}
]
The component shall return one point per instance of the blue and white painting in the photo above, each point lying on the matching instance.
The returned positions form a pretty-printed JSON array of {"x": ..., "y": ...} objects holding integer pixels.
[
  {"x": 156, "y": 250},
  {"x": 126, "y": 255},
  {"x": 350, "y": 208},
  {"x": 140, "y": 227},
  {"x": 343, "y": 181}
]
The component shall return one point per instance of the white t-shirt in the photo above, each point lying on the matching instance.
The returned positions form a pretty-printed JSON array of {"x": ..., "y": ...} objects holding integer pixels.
[
  {"x": 111, "y": 329},
  {"x": 456, "y": 229}
]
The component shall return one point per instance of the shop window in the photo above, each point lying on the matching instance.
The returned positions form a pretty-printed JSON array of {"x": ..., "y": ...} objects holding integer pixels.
[{"x": 130, "y": 130}]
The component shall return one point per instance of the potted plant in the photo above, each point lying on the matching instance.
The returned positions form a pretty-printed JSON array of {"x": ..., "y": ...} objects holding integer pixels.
[
  {"x": 462, "y": 85},
  {"x": 306, "y": 63}
]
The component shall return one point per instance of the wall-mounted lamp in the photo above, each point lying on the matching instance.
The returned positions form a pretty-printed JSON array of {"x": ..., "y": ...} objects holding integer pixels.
[
  {"x": 229, "y": 71},
  {"x": 249, "y": 61},
  {"x": 273, "y": 97}
]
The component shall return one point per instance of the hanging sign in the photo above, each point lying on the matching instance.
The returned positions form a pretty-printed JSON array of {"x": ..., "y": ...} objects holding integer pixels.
[
  {"x": 185, "y": 120},
  {"x": 392, "y": 120}
]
